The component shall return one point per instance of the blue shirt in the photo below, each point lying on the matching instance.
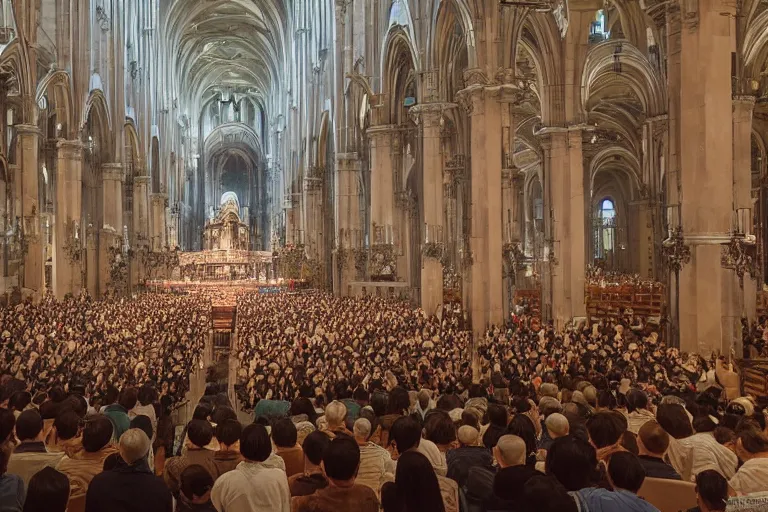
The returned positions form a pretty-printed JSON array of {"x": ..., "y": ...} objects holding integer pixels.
[{"x": 12, "y": 493}]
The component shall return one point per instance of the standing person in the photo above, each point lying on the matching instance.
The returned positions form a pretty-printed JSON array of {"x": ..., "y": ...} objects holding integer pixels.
[
  {"x": 195, "y": 495},
  {"x": 199, "y": 434},
  {"x": 313, "y": 477},
  {"x": 97, "y": 434},
  {"x": 252, "y": 486},
  {"x": 31, "y": 455},
  {"x": 415, "y": 487},
  {"x": 341, "y": 462},
  {"x": 653, "y": 442},
  {"x": 129, "y": 487},
  {"x": 48, "y": 492},
  {"x": 228, "y": 456},
  {"x": 284, "y": 436},
  {"x": 12, "y": 492},
  {"x": 752, "y": 449},
  {"x": 118, "y": 412}
]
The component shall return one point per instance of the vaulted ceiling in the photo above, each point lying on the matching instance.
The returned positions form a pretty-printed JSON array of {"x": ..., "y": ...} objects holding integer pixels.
[{"x": 228, "y": 46}]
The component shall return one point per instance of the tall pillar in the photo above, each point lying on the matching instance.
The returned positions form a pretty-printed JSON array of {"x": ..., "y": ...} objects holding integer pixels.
[
  {"x": 349, "y": 235},
  {"x": 382, "y": 184},
  {"x": 576, "y": 248},
  {"x": 141, "y": 223},
  {"x": 158, "y": 221},
  {"x": 565, "y": 225},
  {"x": 743, "y": 108},
  {"x": 706, "y": 158},
  {"x": 313, "y": 223},
  {"x": 486, "y": 231},
  {"x": 111, "y": 235},
  {"x": 433, "y": 236},
  {"x": 27, "y": 152},
  {"x": 70, "y": 235}
]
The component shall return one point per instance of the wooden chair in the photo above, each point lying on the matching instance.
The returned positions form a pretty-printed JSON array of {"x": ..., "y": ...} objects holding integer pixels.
[{"x": 668, "y": 495}]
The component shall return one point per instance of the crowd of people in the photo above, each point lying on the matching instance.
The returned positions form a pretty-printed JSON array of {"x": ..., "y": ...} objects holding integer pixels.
[
  {"x": 364, "y": 404},
  {"x": 582, "y": 446},
  {"x": 315, "y": 344},
  {"x": 105, "y": 344}
]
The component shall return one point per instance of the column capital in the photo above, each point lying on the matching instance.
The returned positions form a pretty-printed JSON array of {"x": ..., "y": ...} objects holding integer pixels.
[
  {"x": 429, "y": 115},
  {"x": 381, "y": 130},
  {"x": 744, "y": 102},
  {"x": 141, "y": 180},
  {"x": 72, "y": 149},
  {"x": 112, "y": 172},
  {"x": 27, "y": 129}
]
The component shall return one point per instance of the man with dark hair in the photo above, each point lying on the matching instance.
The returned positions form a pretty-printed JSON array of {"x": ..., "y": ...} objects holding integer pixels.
[
  {"x": 199, "y": 434},
  {"x": 118, "y": 412},
  {"x": 284, "y": 435},
  {"x": 313, "y": 478},
  {"x": 196, "y": 485},
  {"x": 96, "y": 444},
  {"x": 652, "y": 443},
  {"x": 63, "y": 436},
  {"x": 625, "y": 472},
  {"x": 228, "y": 456},
  {"x": 31, "y": 455},
  {"x": 605, "y": 431},
  {"x": 341, "y": 462},
  {"x": 253, "y": 486},
  {"x": 405, "y": 434}
]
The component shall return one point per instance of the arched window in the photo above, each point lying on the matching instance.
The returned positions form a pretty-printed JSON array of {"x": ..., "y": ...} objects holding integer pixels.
[
  {"x": 597, "y": 29},
  {"x": 605, "y": 230}
]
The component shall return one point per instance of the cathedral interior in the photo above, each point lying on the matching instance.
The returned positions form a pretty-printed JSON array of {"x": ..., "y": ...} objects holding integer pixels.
[{"x": 431, "y": 148}]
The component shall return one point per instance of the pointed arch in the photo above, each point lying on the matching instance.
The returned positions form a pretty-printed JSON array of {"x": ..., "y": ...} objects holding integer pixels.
[
  {"x": 96, "y": 113},
  {"x": 57, "y": 83}
]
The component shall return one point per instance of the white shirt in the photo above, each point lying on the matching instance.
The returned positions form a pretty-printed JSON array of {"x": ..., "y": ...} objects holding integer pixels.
[
  {"x": 751, "y": 477},
  {"x": 709, "y": 454},
  {"x": 252, "y": 487}
]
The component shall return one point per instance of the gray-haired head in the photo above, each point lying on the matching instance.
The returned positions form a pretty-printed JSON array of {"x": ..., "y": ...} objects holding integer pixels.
[{"x": 134, "y": 445}]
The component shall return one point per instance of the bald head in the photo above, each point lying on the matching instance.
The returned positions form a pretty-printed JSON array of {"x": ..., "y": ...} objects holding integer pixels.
[
  {"x": 510, "y": 451},
  {"x": 362, "y": 429},
  {"x": 134, "y": 445},
  {"x": 557, "y": 425}
]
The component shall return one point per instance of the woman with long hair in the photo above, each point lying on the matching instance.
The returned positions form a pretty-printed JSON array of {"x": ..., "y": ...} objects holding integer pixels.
[{"x": 415, "y": 488}]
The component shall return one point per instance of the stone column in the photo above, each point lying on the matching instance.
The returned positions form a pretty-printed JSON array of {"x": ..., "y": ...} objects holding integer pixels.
[
  {"x": 706, "y": 158},
  {"x": 743, "y": 108},
  {"x": 576, "y": 247},
  {"x": 486, "y": 231},
  {"x": 429, "y": 116},
  {"x": 141, "y": 222},
  {"x": 27, "y": 154},
  {"x": 112, "y": 228},
  {"x": 565, "y": 225},
  {"x": 382, "y": 183},
  {"x": 70, "y": 235},
  {"x": 313, "y": 224},
  {"x": 348, "y": 237},
  {"x": 158, "y": 221}
]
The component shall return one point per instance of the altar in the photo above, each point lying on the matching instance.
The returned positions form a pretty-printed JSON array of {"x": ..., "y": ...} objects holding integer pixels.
[
  {"x": 226, "y": 231},
  {"x": 226, "y": 254}
]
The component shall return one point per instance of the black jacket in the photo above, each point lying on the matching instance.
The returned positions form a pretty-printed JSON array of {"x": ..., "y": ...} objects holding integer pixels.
[
  {"x": 128, "y": 489},
  {"x": 657, "y": 468},
  {"x": 460, "y": 460}
]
